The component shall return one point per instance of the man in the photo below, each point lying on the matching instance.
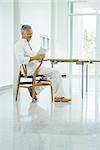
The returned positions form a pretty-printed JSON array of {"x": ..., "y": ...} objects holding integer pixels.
[{"x": 25, "y": 55}]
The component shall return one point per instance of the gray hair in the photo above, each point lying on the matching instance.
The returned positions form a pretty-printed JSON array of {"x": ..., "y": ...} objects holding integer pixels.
[{"x": 25, "y": 27}]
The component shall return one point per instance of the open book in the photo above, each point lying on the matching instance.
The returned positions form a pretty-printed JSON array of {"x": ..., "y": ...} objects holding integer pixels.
[{"x": 42, "y": 51}]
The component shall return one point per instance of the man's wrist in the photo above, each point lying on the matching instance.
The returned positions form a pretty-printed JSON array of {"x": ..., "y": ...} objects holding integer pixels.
[{"x": 30, "y": 58}]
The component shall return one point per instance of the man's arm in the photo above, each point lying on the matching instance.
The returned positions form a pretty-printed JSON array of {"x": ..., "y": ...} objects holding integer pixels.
[
  {"x": 22, "y": 59},
  {"x": 37, "y": 57},
  {"x": 19, "y": 53}
]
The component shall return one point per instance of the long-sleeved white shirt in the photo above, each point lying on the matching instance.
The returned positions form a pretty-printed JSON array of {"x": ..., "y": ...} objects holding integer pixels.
[{"x": 23, "y": 53}]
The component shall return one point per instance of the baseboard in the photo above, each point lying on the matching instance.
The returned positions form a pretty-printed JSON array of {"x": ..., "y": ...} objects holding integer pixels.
[{"x": 6, "y": 87}]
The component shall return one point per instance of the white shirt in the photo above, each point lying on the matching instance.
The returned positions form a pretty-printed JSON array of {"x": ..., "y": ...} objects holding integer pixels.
[{"x": 23, "y": 53}]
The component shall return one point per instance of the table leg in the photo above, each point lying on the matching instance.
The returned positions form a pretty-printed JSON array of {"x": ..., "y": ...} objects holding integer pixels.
[
  {"x": 52, "y": 64},
  {"x": 86, "y": 78},
  {"x": 82, "y": 79}
]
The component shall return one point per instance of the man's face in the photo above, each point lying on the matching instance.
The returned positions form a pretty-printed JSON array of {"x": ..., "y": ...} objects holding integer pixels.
[{"x": 27, "y": 34}]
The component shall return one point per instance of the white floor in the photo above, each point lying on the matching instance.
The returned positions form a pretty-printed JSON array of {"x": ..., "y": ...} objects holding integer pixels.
[{"x": 51, "y": 126}]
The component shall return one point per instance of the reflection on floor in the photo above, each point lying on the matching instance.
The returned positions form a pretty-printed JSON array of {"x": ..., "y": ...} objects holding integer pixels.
[{"x": 50, "y": 126}]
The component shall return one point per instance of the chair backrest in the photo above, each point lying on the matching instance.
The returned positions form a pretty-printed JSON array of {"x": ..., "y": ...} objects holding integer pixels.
[{"x": 24, "y": 70}]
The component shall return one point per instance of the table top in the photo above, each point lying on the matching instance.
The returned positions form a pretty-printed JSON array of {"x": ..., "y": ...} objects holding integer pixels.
[
  {"x": 55, "y": 60},
  {"x": 61, "y": 60}
]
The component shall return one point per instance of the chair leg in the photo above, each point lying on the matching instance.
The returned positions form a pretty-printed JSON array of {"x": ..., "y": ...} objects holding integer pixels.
[
  {"x": 51, "y": 93},
  {"x": 17, "y": 91},
  {"x": 18, "y": 84},
  {"x": 33, "y": 93}
]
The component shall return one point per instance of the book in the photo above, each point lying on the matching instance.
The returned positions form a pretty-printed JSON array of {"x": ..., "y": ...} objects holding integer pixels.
[{"x": 42, "y": 51}]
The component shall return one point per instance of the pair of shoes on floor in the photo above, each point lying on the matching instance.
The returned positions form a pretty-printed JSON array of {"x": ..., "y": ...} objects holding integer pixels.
[
  {"x": 30, "y": 91},
  {"x": 62, "y": 99}
]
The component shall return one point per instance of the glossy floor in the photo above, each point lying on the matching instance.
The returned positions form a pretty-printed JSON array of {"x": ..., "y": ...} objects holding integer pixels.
[{"x": 50, "y": 126}]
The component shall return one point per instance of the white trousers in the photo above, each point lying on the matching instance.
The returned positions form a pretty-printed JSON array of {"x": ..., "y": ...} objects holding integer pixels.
[{"x": 55, "y": 78}]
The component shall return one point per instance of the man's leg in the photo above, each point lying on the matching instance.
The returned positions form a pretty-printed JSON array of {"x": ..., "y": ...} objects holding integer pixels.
[
  {"x": 56, "y": 81},
  {"x": 30, "y": 91}
]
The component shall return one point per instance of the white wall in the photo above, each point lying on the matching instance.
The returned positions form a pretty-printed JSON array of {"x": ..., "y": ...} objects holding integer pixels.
[
  {"x": 6, "y": 43},
  {"x": 47, "y": 17},
  {"x": 16, "y": 22},
  {"x": 61, "y": 21},
  {"x": 37, "y": 14}
]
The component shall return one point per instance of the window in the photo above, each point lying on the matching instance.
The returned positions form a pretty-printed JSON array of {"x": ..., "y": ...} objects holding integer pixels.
[{"x": 82, "y": 33}]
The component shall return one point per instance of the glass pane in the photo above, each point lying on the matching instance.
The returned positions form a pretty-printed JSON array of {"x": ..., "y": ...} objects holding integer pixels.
[
  {"x": 83, "y": 42},
  {"x": 98, "y": 11},
  {"x": 82, "y": 8}
]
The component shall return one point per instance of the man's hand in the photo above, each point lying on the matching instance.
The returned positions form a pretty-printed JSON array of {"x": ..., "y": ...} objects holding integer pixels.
[{"x": 38, "y": 57}]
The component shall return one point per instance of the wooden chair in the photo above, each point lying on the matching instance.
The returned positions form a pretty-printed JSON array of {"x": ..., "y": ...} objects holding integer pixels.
[{"x": 36, "y": 80}]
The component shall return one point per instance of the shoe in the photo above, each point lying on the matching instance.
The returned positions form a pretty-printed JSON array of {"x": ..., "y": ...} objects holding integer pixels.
[
  {"x": 30, "y": 91},
  {"x": 62, "y": 99}
]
